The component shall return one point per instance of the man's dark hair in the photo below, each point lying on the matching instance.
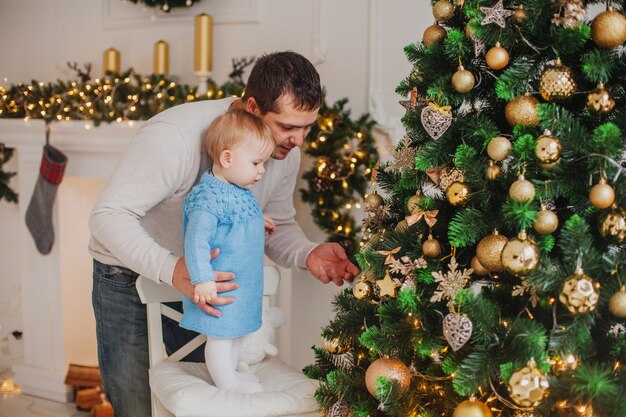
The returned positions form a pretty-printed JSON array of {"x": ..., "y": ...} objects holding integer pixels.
[{"x": 281, "y": 73}]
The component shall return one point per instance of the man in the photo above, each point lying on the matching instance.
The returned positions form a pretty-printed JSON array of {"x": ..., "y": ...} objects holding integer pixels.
[{"x": 136, "y": 222}]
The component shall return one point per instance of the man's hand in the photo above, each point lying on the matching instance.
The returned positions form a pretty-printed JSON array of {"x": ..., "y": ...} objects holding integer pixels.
[
  {"x": 329, "y": 262},
  {"x": 182, "y": 282}
]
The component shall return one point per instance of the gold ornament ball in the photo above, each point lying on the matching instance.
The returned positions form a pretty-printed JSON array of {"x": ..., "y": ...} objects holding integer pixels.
[
  {"x": 389, "y": 368},
  {"x": 362, "y": 290},
  {"x": 497, "y": 57},
  {"x": 548, "y": 148},
  {"x": 443, "y": 10},
  {"x": 602, "y": 195},
  {"x": 546, "y": 222},
  {"x": 333, "y": 345},
  {"x": 613, "y": 225},
  {"x": 608, "y": 29},
  {"x": 520, "y": 256},
  {"x": 499, "y": 148},
  {"x": 458, "y": 193},
  {"x": 463, "y": 80},
  {"x": 489, "y": 250},
  {"x": 478, "y": 268},
  {"x": 373, "y": 200},
  {"x": 557, "y": 82},
  {"x": 431, "y": 247},
  {"x": 522, "y": 190},
  {"x": 600, "y": 100},
  {"x": 565, "y": 364},
  {"x": 472, "y": 408},
  {"x": 433, "y": 34},
  {"x": 520, "y": 15},
  {"x": 617, "y": 303},
  {"x": 528, "y": 386},
  {"x": 579, "y": 294},
  {"x": 414, "y": 202},
  {"x": 493, "y": 171},
  {"x": 522, "y": 110}
]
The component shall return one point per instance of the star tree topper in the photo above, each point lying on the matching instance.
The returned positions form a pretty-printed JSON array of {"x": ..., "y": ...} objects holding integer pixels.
[{"x": 496, "y": 14}]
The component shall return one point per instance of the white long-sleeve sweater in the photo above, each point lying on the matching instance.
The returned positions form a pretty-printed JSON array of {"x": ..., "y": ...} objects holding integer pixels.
[{"x": 136, "y": 221}]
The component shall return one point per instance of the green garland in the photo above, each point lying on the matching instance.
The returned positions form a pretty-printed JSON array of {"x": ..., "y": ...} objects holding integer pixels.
[
  {"x": 166, "y": 5},
  {"x": 344, "y": 152}
]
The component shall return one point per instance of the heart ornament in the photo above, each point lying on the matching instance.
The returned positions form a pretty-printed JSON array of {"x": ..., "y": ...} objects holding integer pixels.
[
  {"x": 457, "y": 329},
  {"x": 435, "y": 120}
]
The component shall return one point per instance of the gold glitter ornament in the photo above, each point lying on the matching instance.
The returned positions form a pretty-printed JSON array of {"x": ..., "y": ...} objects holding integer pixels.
[
  {"x": 528, "y": 386},
  {"x": 443, "y": 10},
  {"x": 433, "y": 34},
  {"x": 340, "y": 409},
  {"x": 565, "y": 364},
  {"x": 557, "y": 82},
  {"x": 520, "y": 256},
  {"x": 497, "y": 57},
  {"x": 520, "y": 15},
  {"x": 478, "y": 268},
  {"x": 613, "y": 225},
  {"x": 493, "y": 171},
  {"x": 448, "y": 176},
  {"x": 333, "y": 345},
  {"x": 522, "y": 110},
  {"x": 602, "y": 195},
  {"x": 608, "y": 29},
  {"x": 389, "y": 368},
  {"x": 463, "y": 80},
  {"x": 569, "y": 13},
  {"x": 402, "y": 226},
  {"x": 600, "y": 101},
  {"x": 522, "y": 190},
  {"x": 431, "y": 247},
  {"x": 548, "y": 148},
  {"x": 499, "y": 148},
  {"x": 489, "y": 249},
  {"x": 579, "y": 294},
  {"x": 373, "y": 200},
  {"x": 546, "y": 221},
  {"x": 617, "y": 303},
  {"x": 458, "y": 194},
  {"x": 472, "y": 408},
  {"x": 414, "y": 202},
  {"x": 362, "y": 289}
]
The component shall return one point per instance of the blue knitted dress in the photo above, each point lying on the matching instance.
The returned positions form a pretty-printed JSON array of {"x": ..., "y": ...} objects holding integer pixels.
[{"x": 220, "y": 215}]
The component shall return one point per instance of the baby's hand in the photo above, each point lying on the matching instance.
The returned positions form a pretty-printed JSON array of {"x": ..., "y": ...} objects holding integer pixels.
[
  {"x": 205, "y": 292},
  {"x": 269, "y": 225}
]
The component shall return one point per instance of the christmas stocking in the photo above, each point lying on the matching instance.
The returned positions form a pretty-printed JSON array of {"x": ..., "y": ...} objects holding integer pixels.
[{"x": 39, "y": 212}]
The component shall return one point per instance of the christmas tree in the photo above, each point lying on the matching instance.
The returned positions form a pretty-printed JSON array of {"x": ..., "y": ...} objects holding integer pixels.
[{"x": 494, "y": 270}]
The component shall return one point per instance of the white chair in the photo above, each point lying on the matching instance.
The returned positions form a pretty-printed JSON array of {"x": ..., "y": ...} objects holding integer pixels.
[{"x": 184, "y": 389}]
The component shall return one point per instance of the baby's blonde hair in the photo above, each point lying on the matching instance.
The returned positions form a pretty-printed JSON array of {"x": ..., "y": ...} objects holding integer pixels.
[{"x": 233, "y": 127}]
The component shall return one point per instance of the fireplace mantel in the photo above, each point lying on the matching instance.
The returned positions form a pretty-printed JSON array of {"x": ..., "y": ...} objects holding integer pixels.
[{"x": 92, "y": 153}]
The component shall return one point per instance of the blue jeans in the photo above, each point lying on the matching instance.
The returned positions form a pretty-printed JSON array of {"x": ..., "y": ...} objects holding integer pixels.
[{"x": 122, "y": 333}]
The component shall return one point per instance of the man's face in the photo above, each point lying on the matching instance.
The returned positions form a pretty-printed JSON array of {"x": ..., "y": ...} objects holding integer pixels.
[{"x": 289, "y": 126}]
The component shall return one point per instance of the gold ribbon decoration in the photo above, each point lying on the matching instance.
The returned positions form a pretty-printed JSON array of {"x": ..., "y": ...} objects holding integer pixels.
[
  {"x": 430, "y": 217},
  {"x": 389, "y": 254},
  {"x": 445, "y": 110}
]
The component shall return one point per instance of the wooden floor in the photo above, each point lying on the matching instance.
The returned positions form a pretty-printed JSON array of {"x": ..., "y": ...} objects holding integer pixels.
[{"x": 16, "y": 404}]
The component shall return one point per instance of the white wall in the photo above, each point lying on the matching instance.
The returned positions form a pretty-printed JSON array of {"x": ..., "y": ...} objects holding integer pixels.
[{"x": 355, "y": 44}]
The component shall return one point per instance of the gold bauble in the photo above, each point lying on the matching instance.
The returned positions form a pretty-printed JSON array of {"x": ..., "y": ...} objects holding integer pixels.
[
  {"x": 565, "y": 364},
  {"x": 519, "y": 15},
  {"x": 433, "y": 34},
  {"x": 463, "y": 80},
  {"x": 362, "y": 289},
  {"x": 443, "y": 10},
  {"x": 528, "y": 386},
  {"x": 600, "y": 100},
  {"x": 373, "y": 200},
  {"x": 499, "y": 148},
  {"x": 579, "y": 293},
  {"x": 522, "y": 110},
  {"x": 389, "y": 368},
  {"x": 608, "y": 29},
  {"x": 333, "y": 345},
  {"x": 489, "y": 249},
  {"x": 602, "y": 195},
  {"x": 557, "y": 82},
  {"x": 458, "y": 193},
  {"x": 546, "y": 221},
  {"x": 431, "y": 247},
  {"x": 617, "y": 303},
  {"x": 478, "y": 268},
  {"x": 522, "y": 190},
  {"x": 613, "y": 225},
  {"x": 414, "y": 202},
  {"x": 497, "y": 57},
  {"x": 548, "y": 148},
  {"x": 472, "y": 408},
  {"x": 493, "y": 171},
  {"x": 520, "y": 256}
]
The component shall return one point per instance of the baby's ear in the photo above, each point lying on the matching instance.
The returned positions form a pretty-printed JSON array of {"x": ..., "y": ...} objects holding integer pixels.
[{"x": 225, "y": 158}]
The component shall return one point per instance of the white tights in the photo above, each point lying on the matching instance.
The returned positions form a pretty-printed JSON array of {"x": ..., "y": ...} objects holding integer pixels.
[{"x": 221, "y": 357}]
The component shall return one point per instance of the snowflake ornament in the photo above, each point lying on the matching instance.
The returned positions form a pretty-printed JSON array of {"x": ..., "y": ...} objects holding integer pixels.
[{"x": 450, "y": 283}]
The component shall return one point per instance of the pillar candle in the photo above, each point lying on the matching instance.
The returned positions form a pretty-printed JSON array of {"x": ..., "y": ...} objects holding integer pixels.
[
  {"x": 111, "y": 61},
  {"x": 161, "y": 58},
  {"x": 203, "y": 61}
]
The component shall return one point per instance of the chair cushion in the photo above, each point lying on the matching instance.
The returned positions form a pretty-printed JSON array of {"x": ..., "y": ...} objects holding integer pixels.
[{"x": 186, "y": 390}]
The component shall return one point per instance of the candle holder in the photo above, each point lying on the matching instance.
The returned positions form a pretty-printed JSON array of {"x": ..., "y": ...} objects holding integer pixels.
[{"x": 203, "y": 82}]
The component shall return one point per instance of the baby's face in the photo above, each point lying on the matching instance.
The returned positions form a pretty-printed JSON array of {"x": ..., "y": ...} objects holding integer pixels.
[{"x": 247, "y": 163}]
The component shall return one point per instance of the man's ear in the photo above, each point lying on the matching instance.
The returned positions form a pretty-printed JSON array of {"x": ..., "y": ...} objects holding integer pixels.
[
  {"x": 225, "y": 158},
  {"x": 253, "y": 107}
]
